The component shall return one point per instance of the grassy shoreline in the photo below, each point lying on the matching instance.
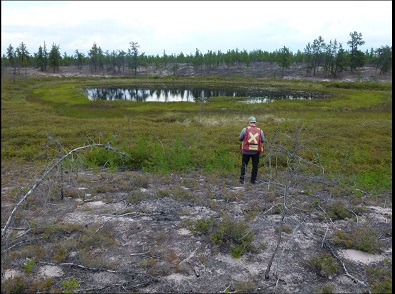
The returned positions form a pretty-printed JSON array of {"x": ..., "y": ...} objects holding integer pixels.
[{"x": 350, "y": 134}]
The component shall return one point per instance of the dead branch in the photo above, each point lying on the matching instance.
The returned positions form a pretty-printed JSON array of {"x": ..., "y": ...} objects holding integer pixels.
[
  {"x": 80, "y": 266},
  {"x": 141, "y": 253},
  {"x": 329, "y": 248},
  {"x": 190, "y": 256},
  {"x": 326, "y": 214},
  {"x": 294, "y": 161},
  {"x": 277, "y": 246},
  {"x": 107, "y": 146},
  {"x": 295, "y": 230}
]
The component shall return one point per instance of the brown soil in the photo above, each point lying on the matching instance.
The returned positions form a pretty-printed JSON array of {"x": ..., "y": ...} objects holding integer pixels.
[{"x": 152, "y": 247}]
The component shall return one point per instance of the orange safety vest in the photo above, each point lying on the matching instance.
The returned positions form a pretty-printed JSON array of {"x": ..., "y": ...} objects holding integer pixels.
[{"x": 252, "y": 140}]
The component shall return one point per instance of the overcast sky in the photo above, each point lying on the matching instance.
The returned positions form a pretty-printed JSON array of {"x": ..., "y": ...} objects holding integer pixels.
[{"x": 183, "y": 26}]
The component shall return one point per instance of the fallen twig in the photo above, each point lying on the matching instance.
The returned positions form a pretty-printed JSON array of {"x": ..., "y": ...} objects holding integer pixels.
[
  {"x": 107, "y": 146},
  {"x": 344, "y": 267}
]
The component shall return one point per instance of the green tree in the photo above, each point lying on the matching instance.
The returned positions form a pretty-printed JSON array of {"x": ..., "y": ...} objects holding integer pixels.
[
  {"x": 329, "y": 58},
  {"x": 308, "y": 59},
  {"x": 197, "y": 59},
  {"x": 165, "y": 58},
  {"x": 93, "y": 55},
  {"x": 133, "y": 53},
  {"x": 318, "y": 48},
  {"x": 384, "y": 59},
  {"x": 107, "y": 60},
  {"x": 40, "y": 58},
  {"x": 335, "y": 59},
  {"x": 341, "y": 61},
  {"x": 54, "y": 57},
  {"x": 11, "y": 56},
  {"x": 67, "y": 60},
  {"x": 121, "y": 60},
  {"x": 113, "y": 60},
  {"x": 45, "y": 56},
  {"x": 284, "y": 59},
  {"x": 100, "y": 59},
  {"x": 357, "y": 57},
  {"x": 298, "y": 57},
  {"x": 80, "y": 58},
  {"x": 23, "y": 56}
]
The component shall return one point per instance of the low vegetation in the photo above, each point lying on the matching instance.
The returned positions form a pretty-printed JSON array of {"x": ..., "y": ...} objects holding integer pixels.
[
  {"x": 350, "y": 133},
  {"x": 325, "y": 160}
]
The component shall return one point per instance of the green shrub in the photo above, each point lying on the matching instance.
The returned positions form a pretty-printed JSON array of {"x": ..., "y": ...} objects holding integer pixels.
[
  {"x": 325, "y": 264},
  {"x": 15, "y": 285},
  {"x": 338, "y": 211},
  {"x": 364, "y": 238},
  {"x": 245, "y": 287},
  {"x": 29, "y": 265},
  {"x": 380, "y": 277},
  {"x": 383, "y": 287},
  {"x": 22, "y": 285},
  {"x": 69, "y": 286},
  {"x": 326, "y": 289},
  {"x": 228, "y": 234},
  {"x": 202, "y": 225},
  {"x": 286, "y": 229},
  {"x": 102, "y": 157}
]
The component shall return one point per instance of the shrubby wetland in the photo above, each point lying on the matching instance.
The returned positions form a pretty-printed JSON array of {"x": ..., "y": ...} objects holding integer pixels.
[{"x": 134, "y": 196}]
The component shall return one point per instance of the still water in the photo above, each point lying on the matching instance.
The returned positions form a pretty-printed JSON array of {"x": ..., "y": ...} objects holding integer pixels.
[{"x": 188, "y": 95}]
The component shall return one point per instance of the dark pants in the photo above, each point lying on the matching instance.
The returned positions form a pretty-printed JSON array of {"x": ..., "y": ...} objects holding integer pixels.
[{"x": 244, "y": 162}]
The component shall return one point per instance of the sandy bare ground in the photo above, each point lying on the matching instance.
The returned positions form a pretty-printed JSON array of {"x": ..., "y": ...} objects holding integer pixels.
[
  {"x": 155, "y": 249},
  {"x": 255, "y": 70}
]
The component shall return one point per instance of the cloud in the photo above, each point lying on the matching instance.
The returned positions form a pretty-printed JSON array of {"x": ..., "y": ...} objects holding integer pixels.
[{"x": 183, "y": 26}]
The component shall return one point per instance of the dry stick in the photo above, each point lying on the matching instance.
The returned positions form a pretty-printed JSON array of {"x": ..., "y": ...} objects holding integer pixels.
[
  {"x": 80, "y": 266},
  {"x": 275, "y": 250},
  {"x": 271, "y": 147},
  {"x": 287, "y": 187},
  {"x": 163, "y": 148},
  {"x": 101, "y": 227},
  {"x": 288, "y": 242},
  {"x": 328, "y": 217},
  {"x": 125, "y": 214},
  {"x": 107, "y": 146},
  {"x": 190, "y": 256},
  {"x": 344, "y": 267},
  {"x": 140, "y": 253},
  {"x": 349, "y": 210},
  {"x": 19, "y": 243}
]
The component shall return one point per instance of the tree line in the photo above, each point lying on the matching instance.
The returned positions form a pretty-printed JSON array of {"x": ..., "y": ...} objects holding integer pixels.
[{"x": 328, "y": 57}]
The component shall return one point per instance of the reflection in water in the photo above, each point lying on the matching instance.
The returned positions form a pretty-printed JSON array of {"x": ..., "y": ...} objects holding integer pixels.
[{"x": 185, "y": 95}]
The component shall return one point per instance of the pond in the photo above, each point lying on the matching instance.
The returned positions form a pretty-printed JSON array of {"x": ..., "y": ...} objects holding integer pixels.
[{"x": 191, "y": 95}]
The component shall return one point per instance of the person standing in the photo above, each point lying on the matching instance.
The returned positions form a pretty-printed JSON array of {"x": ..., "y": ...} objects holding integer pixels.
[{"x": 252, "y": 139}]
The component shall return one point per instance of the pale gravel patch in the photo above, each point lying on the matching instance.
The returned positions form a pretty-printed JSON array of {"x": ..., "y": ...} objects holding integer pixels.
[
  {"x": 104, "y": 278},
  {"x": 176, "y": 277},
  {"x": 184, "y": 232},
  {"x": 253, "y": 268},
  {"x": 359, "y": 256},
  {"x": 9, "y": 273},
  {"x": 95, "y": 204},
  {"x": 50, "y": 271}
]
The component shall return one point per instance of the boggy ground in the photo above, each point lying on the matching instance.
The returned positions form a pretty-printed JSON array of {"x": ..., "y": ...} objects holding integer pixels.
[{"x": 129, "y": 231}]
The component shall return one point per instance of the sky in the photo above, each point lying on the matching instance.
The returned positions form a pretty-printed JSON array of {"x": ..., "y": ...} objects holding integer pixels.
[{"x": 184, "y": 26}]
